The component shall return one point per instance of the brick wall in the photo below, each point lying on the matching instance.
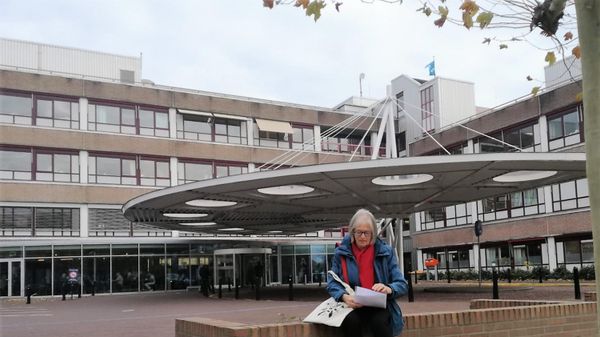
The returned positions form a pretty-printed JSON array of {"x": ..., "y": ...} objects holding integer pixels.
[
  {"x": 488, "y": 304},
  {"x": 576, "y": 319},
  {"x": 590, "y": 297}
]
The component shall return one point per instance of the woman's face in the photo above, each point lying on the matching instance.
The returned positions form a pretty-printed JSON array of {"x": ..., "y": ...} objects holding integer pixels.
[{"x": 363, "y": 232}]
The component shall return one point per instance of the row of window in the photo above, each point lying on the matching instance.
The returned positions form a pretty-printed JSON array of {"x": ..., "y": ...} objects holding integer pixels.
[
  {"x": 63, "y": 166},
  {"x": 565, "y": 196},
  {"x": 39, "y": 221},
  {"x": 525, "y": 254}
]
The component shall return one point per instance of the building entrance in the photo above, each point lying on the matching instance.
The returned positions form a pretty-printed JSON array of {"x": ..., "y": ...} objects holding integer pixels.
[
  {"x": 11, "y": 277},
  {"x": 245, "y": 266}
]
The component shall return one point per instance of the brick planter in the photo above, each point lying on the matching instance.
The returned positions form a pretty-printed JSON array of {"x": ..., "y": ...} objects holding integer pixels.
[{"x": 571, "y": 319}]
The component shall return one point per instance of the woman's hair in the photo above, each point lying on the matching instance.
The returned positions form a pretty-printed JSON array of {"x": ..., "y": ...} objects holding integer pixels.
[{"x": 363, "y": 213}]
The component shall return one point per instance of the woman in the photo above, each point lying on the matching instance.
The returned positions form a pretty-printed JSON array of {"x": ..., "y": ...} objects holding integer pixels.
[{"x": 369, "y": 263}]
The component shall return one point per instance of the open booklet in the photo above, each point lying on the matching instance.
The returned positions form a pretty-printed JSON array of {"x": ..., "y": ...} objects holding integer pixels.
[{"x": 370, "y": 298}]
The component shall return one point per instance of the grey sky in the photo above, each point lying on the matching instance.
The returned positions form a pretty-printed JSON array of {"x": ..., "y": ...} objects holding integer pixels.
[{"x": 239, "y": 47}]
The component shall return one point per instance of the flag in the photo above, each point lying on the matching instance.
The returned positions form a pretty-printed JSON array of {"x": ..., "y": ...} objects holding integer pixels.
[{"x": 431, "y": 68}]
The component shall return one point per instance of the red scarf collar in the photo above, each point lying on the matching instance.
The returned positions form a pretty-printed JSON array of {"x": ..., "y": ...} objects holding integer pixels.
[{"x": 365, "y": 259}]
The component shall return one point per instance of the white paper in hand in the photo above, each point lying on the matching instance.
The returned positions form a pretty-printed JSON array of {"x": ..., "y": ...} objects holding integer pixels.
[{"x": 370, "y": 298}]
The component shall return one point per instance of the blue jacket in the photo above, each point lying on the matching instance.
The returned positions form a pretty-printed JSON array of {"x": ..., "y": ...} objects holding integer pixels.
[{"x": 386, "y": 272}]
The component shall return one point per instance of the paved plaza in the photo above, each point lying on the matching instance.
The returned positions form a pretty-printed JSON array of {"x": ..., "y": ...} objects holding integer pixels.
[{"x": 153, "y": 314}]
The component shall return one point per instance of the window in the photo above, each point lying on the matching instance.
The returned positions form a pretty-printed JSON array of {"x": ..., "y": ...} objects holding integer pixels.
[
  {"x": 570, "y": 195},
  {"x": 455, "y": 215},
  {"x": 427, "y": 109},
  {"x": 303, "y": 138},
  {"x": 347, "y": 144},
  {"x": 190, "y": 171},
  {"x": 57, "y": 113},
  {"x": 154, "y": 123},
  {"x": 128, "y": 120},
  {"x": 224, "y": 170},
  {"x": 15, "y": 164},
  {"x": 400, "y": 99},
  {"x": 63, "y": 167},
  {"x": 401, "y": 141},
  {"x": 526, "y": 138},
  {"x": 231, "y": 131},
  {"x": 512, "y": 205},
  {"x": 565, "y": 129},
  {"x": 194, "y": 127},
  {"x": 271, "y": 139},
  {"x": 154, "y": 172},
  {"x": 112, "y": 170},
  {"x": 15, "y": 108},
  {"x": 34, "y": 221}
]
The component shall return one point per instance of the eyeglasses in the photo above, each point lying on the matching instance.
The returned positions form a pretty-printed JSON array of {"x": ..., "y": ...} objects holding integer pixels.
[{"x": 365, "y": 234}]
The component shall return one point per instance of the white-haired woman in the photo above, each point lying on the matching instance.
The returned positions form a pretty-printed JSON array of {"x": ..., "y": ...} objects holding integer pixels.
[{"x": 362, "y": 259}]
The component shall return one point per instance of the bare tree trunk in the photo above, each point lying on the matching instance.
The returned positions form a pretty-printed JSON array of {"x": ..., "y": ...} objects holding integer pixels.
[{"x": 588, "y": 24}]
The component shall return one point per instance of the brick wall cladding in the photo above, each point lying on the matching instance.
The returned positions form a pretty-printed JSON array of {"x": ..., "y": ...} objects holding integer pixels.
[{"x": 556, "y": 320}]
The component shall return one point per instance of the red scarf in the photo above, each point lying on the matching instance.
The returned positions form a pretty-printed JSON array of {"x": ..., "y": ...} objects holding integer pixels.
[{"x": 365, "y": 259}]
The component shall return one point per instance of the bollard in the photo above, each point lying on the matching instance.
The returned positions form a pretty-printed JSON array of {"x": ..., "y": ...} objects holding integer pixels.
[
  {"x": 291, "y": 288},
  {"x": 220, "y": 288},
  {"x": 509, "y": 275},
  {"x": 448, "y": 271},
  {"x": 495, "y": 285},
  {"x": 237, "y": 290},
  {"x": 416, "y": 277},
  {"x": 411, "y": 295},
  {"x": 576, "y": 283},
  {"x": 93, "y": 288},
  {"x": 258, "y": 284},
  {"x": 29, "y": 292},
  {"x": 541, "y": 276},
  {"x": 320, "y": 277},
  {"x": 78, "y": 291},
  {"x": 63, "y": 290},
  {"x": 229, "y": 285}
]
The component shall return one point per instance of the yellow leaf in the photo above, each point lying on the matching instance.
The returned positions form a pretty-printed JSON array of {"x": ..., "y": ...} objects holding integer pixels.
[
  {"x": 303, "y": 3},
  {"x": 484, "y": 19},
  {"x": 568, "y": 36},
  {"x": 577, "y": 52},
  {"x": 535, "y": 90},
  {"x": 550, "y": 58},
  {"x": 427, "y": 11},
  {"x": 579, "y": 97},
  {"x": 467, "y": 20}
]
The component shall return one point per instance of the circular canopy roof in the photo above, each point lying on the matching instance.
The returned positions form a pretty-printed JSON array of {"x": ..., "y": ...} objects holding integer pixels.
[{"x": 310, "y": 198}]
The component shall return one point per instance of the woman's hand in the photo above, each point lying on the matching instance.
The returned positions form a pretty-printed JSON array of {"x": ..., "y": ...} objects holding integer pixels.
[
  {"x": 349, "y": 300},
  {"x": 382, "y": 288}
]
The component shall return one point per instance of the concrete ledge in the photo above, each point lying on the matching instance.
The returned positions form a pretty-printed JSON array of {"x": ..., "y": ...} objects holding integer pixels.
[{"x": 524, "y": 319}]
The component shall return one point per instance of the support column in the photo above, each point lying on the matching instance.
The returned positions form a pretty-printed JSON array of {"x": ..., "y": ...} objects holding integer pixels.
[
  {"x": 250, "y": 131},
  {"x": 476, "y": 256},
  {"x": 417, "y": 217},
  {"x": 172, "y": 123},
  {"x": 543, "y": 123},
  {"x": 420, "y": 265},
  {"x": 173, "y": 163},
  {"x": 84, "y": 215},
  {"x": 470, "y": 147},
  {"x": 399, "y": 244},
  {"x": 473, "y": 206},
  {"x": 83, "y": 167},
  {"x": 175, "y": 234},
  {"x": 83, "y": 113},
  {"x": 317, "y": 137},
  {"x": 552, "y": 261},
  {"x": 251, "y": 167}
]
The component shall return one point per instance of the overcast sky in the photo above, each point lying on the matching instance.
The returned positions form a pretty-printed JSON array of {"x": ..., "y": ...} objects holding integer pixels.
[{"x": 238, "y": 47}]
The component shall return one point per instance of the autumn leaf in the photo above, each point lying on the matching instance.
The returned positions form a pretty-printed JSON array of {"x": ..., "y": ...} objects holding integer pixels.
[
  {"x": 467, "y": 20},
  {"x": 487, "y": 40},
  {"x": 440, "y": 22},
  {"x": 337, "y": 6},
  {"x": 576, "y": 51},
  {"x": 535, "y": 90},
  {"x": 314, "y": 9},
  {"x": 550, "y": 58},
  {"x": 303, "y": 3},
  {"x": 484, "y": 19},
  {"x": 568, "y": 36},
  {"x": 529, "y": 78},
  {"x": 268, "y": 3},
  {"x": 470, "y": 7},
  {"x": 579, "y": 97},
  {"x": 443, "y": 11},
  {"x": 427, "y": 11},
  {"x": 503, "y": 46}
]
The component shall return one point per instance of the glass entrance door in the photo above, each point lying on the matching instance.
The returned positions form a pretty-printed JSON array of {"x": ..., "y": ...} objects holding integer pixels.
[{"x": 11, "y": 278}]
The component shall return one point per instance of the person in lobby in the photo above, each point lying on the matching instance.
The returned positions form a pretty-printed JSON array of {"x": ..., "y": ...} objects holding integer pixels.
[{"x": 363, "y": 259}]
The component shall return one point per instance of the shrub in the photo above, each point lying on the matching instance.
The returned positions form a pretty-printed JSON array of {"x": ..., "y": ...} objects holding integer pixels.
[
  {"x": 587, "y": 273},
  {"x": 562, "y": 273},
  {"x": 538, "y": 271}
]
